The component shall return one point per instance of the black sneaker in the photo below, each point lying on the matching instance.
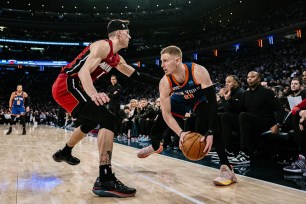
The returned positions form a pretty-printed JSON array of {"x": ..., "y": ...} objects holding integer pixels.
[
  {"x": 241, "y": 158},
  {"x": 299, "y": 166},
  {"x": 59, "y": 157},
  {"x": 24, "y": 132},
  {"x": 112, "y": 188},
  {"x": 9, "y": 132}
]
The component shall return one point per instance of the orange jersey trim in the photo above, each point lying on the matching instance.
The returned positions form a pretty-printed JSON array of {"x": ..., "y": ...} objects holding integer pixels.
[
  {"x": 170, "y": 83},
  {"x": 193, "y": 76},
  {"x": 186, "y": 77}
]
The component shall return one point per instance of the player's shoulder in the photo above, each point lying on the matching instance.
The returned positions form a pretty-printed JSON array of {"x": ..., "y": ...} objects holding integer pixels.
[
  {"x": 165, "y": 84},
  {"x": 102, "y": 45},
  {"x": 198, "y": 67}
]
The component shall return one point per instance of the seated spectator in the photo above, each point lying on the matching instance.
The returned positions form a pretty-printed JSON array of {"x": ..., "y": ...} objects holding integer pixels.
[
  {"x": 145, "y": 118},
  {"x": 258, "y": 106},
  {"x": 299, "y": 125},
  {"x": 230, "y": 97}
]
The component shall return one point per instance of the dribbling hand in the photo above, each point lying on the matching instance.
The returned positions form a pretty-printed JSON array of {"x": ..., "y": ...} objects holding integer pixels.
[
  {"x": 100, "y": 98},
  {"x": 182, "y": 135},
  {"x": 209, "y": 142}
]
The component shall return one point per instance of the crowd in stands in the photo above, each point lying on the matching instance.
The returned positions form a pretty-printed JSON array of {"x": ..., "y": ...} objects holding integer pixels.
[{"x": 148, "y": 42}]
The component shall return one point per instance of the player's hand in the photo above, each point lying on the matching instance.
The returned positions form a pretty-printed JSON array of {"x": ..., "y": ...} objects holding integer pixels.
[
  {"x": 100, "y": 98},
  {"x": 301, "y": 126},
  {"x": 209, "y": 142},
  {"x": 303, "y": 113},
  {"x": 274, "y": 129},
  {"x": 187, "y": 115},
  {"x": 183, "y": 134}
]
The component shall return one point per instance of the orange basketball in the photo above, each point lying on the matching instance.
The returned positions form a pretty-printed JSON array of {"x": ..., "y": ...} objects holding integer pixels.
[{"x": 192, "y": 148}]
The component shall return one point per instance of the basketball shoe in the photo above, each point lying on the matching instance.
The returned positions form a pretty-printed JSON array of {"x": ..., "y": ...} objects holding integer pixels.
[
  {"x": 112, "y": 188},
  {"x": 59, "y": 157},
  {"x": 9, "y": 131},
  {"x": 24, "y": 132},
  {"x": 226, "y": 177},
  {"x": 147, "y": 151}
]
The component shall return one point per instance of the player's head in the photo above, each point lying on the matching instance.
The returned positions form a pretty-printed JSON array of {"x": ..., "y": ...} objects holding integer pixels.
[
  {"x": 19, "y": 88},
  {"x": 171, "y": 57},
  {"x": 119, "y": 29}
]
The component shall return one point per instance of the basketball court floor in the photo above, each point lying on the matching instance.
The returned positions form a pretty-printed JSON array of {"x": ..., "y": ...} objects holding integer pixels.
[{"x": 29, "y": 175}]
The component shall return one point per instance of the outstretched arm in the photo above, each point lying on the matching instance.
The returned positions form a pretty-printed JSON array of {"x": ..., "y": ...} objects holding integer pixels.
[{"x": 129, "y": 71}]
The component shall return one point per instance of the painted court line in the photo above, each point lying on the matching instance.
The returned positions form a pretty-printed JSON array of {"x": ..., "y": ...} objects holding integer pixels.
[{"x": 164, "y": 186}]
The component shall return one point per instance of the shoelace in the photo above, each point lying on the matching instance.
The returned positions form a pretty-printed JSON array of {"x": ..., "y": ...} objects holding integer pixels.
[
  {"x": 225, "y": 174},
  {"x": 147, "y": 149},
  {"x": 119, "y": 183}
]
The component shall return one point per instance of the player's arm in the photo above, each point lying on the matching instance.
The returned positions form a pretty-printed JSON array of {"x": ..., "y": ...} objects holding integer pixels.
[
  {"x": 98, "y": 52},
  {"x": 26, "y": 101},
  {"x": 11, "y": 101},
  {"x": 165, "y": 103},
  {"x": 129, "y": 71},
  {"x": 202, "y": 77}
]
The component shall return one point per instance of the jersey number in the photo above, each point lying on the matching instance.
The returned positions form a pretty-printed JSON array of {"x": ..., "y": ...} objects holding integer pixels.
[{"x": 189, "y": 96}]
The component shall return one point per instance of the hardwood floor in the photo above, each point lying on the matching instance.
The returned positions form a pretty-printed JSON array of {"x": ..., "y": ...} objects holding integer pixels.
[{"x": 30, "y": 175}]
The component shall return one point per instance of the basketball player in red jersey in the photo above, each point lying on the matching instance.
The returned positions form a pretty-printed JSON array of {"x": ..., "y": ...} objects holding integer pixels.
[
  {"x": 75, "y": 92},
  {"x": 187, "y": 87}
]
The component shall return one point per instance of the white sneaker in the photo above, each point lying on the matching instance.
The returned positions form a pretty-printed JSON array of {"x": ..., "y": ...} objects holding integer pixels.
[{"x": 226, "y": 177}]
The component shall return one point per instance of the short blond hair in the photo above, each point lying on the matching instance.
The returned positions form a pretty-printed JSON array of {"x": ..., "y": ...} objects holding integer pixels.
[{"x": 172, "y": 50}]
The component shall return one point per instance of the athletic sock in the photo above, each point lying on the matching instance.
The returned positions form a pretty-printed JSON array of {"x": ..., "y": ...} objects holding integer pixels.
[
  {"x": 105, "y": 172},
  {"x": 66, "y": 151}
]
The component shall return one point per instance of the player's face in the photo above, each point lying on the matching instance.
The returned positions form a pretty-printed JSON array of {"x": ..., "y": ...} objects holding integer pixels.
[
  {"x": 19, "y": 89},
  {"x": 169, "y": 63},
  {"x": 124, "y": 36}
]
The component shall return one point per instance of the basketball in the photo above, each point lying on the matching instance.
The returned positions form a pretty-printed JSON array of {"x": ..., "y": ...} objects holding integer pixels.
[{"x": 192, "y": 148}]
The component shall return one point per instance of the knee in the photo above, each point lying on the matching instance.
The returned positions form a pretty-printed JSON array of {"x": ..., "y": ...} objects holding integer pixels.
[
  {"x": 109, "y": 125},
  {"x": 86, "y": 128}
]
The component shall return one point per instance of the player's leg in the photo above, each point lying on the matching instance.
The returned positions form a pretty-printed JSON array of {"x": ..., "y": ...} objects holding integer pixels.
[
  {"x": 156, "y": 138},
  {"x": 11, "y": 124},
  {"x": 77, "y": 135},
  {"x": 227, "y": 175},
  {"x": 23, "y": 123},
  {"x": 106, "y": 184}
]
